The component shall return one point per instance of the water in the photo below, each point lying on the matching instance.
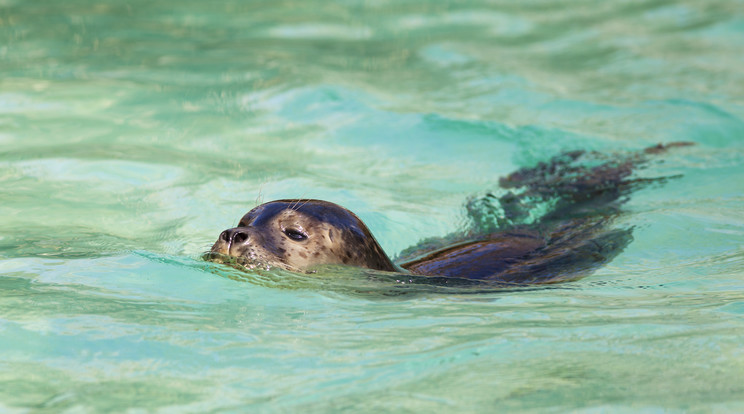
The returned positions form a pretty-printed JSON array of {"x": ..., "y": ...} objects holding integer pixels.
[{"x": 132, "y": 133}]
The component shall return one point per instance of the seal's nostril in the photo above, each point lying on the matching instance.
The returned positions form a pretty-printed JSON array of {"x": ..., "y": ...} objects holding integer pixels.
[
  {"x": 225, "y": 235},
  {"x": 234, "y": 236},
  {"x": 239, "y": 236}
]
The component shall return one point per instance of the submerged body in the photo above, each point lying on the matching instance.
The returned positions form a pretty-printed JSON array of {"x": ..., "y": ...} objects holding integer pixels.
[{"x": 569, "y": 240}]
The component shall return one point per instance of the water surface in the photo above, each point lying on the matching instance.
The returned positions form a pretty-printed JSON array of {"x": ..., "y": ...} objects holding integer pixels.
[{"x": 132, "y": 133}]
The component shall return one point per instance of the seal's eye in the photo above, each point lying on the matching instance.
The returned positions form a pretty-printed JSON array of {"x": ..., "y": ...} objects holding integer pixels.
[{"x": 295, "y": 234}]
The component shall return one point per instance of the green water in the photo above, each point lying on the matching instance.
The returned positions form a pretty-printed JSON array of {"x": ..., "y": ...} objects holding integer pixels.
[{"x": 133, "y": 132}]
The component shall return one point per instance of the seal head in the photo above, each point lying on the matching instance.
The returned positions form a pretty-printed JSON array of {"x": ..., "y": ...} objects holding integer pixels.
[{"x": 299, "y": 234}]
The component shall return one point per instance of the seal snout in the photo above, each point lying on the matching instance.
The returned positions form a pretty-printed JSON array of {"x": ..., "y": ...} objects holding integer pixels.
[{"x": 234, "y": 236}]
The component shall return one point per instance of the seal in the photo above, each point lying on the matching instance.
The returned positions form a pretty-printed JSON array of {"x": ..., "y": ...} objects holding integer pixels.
[{"x": 507, "y": 243}]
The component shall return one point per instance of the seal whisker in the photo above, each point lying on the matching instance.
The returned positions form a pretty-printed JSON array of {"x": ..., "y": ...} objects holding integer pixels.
[
  {"x": 296, "y": 205},
  {"x": 259, "y": 197},
  {"x": 303, "y": 204}
]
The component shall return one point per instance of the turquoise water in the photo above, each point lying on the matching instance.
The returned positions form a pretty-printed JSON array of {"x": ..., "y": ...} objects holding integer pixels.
[{"x": 132, "y": 133}]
